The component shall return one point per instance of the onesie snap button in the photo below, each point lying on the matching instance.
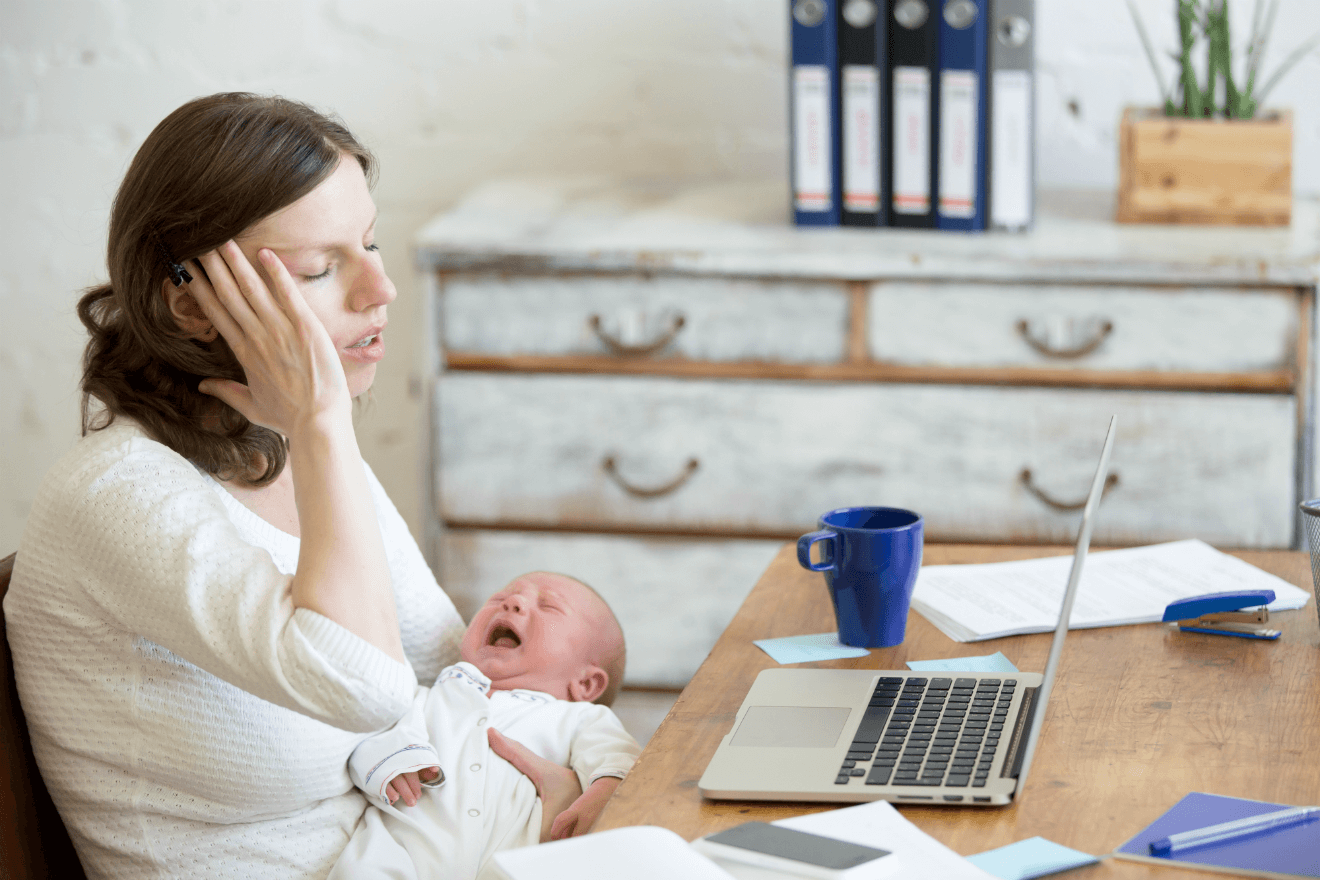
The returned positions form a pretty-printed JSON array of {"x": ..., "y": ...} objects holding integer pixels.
[
  {"x": 482, "y": 720},
  {"x": 475, "y": 767},
  {"x": 474, "y": 812}
]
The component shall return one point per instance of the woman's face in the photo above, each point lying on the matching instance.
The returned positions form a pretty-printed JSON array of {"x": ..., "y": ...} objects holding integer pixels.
[{"x": 326, "y": 240}]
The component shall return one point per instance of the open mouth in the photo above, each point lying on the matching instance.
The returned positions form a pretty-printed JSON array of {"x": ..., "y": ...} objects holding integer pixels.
[
  {"x": 503, "y": 637},
  {"x": 363, "y": 343}
]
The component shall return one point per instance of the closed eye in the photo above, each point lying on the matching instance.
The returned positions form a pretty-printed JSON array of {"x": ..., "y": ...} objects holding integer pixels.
[{"x": 321, "y": 277}]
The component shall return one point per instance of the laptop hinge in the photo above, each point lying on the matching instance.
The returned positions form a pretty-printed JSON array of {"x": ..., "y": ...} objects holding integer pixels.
[{"x": 1018, "y": 747}]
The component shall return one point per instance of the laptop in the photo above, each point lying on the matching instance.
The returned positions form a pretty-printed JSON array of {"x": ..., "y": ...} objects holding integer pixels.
[{"x": 853, "y": 735}]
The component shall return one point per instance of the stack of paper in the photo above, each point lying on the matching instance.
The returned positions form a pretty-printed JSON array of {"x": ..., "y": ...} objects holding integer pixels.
[
  {"x": 644, "y": 852},
  {"x": 969, "y": 603}
]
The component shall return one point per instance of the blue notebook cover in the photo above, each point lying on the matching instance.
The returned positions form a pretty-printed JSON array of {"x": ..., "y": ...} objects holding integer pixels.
[{"x": 1287, "y": 852}]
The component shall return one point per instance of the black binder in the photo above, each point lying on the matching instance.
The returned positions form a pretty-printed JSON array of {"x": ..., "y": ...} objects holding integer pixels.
[
  {"x": 863, "y": 116},
  {"x": 914, "y": 57}
]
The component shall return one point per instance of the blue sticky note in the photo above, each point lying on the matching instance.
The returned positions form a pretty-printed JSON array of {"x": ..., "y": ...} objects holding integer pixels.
[
  {"x": 995, "y": 662},
  {"x": 1033, "y": 857},
  {"x": 806, "y": 649}
]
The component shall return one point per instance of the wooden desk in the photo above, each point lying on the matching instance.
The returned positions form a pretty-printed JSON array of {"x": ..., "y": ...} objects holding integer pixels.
[{"x": 1140, "y": 715}]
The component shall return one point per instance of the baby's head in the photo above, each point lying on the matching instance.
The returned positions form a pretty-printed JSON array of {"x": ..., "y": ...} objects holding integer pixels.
[{"x": 548, "y": 632}]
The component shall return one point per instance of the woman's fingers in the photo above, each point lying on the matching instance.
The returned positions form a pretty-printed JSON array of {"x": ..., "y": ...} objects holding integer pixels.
[
  {"x": 229, "y": 293},
  {"x": 216, "y": 312},
  {"x": 558, "y": 787}
]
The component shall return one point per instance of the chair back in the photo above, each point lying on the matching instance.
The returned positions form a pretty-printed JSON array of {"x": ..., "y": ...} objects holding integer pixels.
[{"x": 34, "y": 844}]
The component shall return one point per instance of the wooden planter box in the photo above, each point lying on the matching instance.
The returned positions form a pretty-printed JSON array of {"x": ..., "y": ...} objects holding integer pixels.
[{"x": 1175, "y": 170}]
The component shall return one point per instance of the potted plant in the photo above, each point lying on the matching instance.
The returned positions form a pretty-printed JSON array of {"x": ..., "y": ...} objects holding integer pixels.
[{"x": 1211, "y": 154}]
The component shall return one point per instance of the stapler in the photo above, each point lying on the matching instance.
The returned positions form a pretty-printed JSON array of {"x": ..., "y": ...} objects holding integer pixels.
[{"x": 1240, "y": 613}]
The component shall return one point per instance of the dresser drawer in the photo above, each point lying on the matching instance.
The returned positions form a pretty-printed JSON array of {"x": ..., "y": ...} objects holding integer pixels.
[
  {"x": 1083, "y": 327},
  {"x": 702, "y": 319},
  {"x": 673, "y": 597},
  {"x": 765, "y": 458}
]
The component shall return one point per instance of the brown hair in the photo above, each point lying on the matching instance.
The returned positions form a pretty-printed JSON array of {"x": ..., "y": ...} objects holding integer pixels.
[{"x": 207, "y": 172}]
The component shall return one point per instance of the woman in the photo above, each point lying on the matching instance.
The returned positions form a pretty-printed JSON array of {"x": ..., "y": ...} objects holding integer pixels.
[{"x": 206, "y": 606}]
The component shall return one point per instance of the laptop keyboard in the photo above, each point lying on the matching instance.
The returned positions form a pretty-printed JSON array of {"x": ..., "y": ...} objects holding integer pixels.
[{"x": 929, "y": 732}]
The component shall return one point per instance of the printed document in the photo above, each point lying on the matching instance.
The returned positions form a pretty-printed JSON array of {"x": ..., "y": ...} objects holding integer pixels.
[{"x": 969, "y": 603}]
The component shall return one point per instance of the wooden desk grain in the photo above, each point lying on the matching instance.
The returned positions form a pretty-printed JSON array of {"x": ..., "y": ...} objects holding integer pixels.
[{"x": 1140, "y": 715}]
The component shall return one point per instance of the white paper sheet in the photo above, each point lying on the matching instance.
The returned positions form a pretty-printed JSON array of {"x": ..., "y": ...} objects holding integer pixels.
[
  {"x": 970, "y": 603},
  {"x": 912, "y": 852}
]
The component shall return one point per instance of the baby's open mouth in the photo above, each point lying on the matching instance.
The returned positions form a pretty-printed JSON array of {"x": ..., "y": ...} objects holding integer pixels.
[{"x": 503, "y": 637}]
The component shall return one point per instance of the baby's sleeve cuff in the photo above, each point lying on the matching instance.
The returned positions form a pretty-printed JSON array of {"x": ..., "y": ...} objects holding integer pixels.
[{"x": 375, "y": 763}]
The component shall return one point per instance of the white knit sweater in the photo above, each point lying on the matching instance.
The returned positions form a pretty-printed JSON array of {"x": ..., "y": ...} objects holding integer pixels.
[{"x": 188, "y": 721}]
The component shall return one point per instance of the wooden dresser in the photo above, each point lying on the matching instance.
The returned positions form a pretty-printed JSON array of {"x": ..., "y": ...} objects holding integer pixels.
[{"x": 652, "y": 386}]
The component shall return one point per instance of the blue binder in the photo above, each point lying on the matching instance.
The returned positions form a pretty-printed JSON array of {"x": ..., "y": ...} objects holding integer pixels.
[
  {"x": 960, "y": 181},
  {"x": 813, "y": 112},
  {"x": 1287, "y": 852}
]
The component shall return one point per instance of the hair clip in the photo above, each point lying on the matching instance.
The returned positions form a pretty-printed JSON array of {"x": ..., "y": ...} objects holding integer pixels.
[{"x": 178, "y": 274}]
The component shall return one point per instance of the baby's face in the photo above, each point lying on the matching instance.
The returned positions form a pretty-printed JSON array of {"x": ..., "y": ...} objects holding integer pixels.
[{"x": 540, "y": 632}]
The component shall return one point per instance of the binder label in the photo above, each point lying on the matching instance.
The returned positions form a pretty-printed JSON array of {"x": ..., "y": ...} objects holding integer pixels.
[
  {"x": 1011, "y": 132},
  {"x": 911, "y": 140},
  {"x": 861, "y": 138},
  {"x": 958, "y": 143},
  {"x": 811, "y": 135}
]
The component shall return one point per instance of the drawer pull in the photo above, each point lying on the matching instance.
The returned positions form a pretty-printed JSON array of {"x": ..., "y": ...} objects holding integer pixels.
[
  {"x": 1082, "y": 348},
  {"x": 612, "y": 469},
  {"x": 619, "y": 347},
  {"x": 1026, "y": 479}
]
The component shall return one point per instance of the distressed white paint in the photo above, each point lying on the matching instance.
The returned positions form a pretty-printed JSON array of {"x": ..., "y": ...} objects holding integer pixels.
[
  {"x": 736, "y": 228},
  {"x": 722, "y": 320},
  {"x": 1167, "y": 329},
  {"x": 673, "y": 597},
  {"x": 774, "y": 455}
]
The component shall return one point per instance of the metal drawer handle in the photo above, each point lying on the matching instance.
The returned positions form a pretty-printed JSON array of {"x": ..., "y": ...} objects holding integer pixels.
[
  {"x": 620, "y": 347},
  {"x": 1025, "y": 478},
  {"x": 612, "y": 469},
  {"x": 1081, "y": 349}
]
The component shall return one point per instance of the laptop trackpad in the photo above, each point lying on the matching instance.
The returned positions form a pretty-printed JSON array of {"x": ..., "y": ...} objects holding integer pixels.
[{"x": 802, "y": 727}]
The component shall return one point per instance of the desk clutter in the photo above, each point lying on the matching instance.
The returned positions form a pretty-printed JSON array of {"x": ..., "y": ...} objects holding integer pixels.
[
  {"x": 912, "y": 113},
  {"x": 970, "y": 603},
  {"x": 653, "y": 853}
]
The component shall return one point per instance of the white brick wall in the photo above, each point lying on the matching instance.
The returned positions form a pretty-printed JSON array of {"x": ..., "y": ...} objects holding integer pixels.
[{"x": 450, "y": 92}]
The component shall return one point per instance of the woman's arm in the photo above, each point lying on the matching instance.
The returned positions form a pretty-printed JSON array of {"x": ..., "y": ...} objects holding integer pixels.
[{"x": 296, "y": 386}]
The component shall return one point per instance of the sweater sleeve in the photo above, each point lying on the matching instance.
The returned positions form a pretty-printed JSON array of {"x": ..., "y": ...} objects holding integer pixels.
[
  {"x": 148, "y": 542},
  {"x": 601, "y": 746},
  {"x": 430, "y": 626}
]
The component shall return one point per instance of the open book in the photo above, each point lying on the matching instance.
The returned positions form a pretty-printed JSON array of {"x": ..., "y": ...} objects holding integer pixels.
[
  {"x": 646, "y": 852},
  {"x": 969, "y": 603}
]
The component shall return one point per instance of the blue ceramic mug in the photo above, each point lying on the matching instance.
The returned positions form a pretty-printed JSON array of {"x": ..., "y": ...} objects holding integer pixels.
[{"x": 870, "y": 557}]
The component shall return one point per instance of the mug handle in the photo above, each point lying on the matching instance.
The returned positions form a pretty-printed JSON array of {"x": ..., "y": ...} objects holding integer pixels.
[{"x": 804, "y": 550}]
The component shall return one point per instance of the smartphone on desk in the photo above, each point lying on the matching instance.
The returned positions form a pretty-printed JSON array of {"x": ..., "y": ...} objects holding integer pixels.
[{"x": 778, "y": 851}]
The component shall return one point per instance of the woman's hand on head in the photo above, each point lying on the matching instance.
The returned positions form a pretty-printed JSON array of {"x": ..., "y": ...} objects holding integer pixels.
[{"x": 294, "y": 375}]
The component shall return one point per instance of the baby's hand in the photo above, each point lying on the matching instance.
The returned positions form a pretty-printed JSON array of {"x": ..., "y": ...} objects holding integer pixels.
[{"x": 409, "y": 785}]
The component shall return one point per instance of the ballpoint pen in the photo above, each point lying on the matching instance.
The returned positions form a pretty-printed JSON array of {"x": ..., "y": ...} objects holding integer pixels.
[{"x": 1238, "y": 828}]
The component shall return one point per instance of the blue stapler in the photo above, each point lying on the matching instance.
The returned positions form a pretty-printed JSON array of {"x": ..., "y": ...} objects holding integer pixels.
[{"x": 1239, "y": 613}]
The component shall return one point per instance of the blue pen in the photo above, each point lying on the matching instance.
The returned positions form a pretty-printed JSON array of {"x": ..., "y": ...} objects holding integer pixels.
[{"x": 1238, "y": 828}]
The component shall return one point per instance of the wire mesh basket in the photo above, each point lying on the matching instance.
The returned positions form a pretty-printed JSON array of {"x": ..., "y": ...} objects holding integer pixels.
[{"x": 1311, "y": 516}]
